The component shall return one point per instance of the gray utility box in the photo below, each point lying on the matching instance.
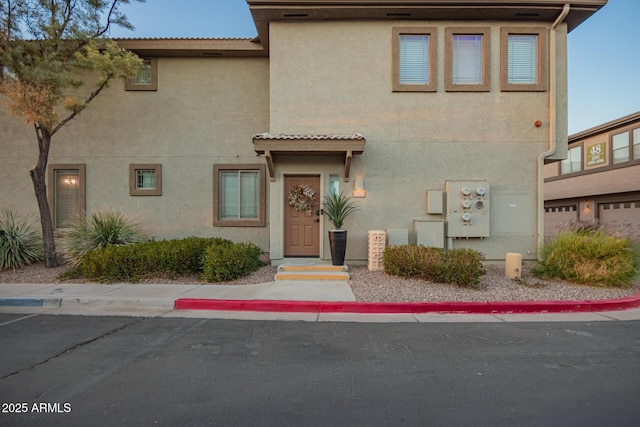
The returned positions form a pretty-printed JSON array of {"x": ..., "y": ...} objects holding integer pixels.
[
  {"x": 468, "y": 210},
  {"x": 429, "y": 233},
  {"x": 397, "y": 236}
]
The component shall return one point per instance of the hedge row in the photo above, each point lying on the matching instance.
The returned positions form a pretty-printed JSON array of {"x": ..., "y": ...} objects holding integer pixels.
[
  {"x": 217, "y": 258},
  {"x": 462, "y": 266}
]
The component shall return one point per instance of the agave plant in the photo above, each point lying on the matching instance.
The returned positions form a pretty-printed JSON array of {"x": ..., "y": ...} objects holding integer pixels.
[
  {"x": 338, "y": 207},
  {"x": 99, "y": 230},
  {"x": 20, "y": 243}
]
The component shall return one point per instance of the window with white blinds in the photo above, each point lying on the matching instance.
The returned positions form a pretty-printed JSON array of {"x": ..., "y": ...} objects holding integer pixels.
[
  {"x": 523, "y": 59},
  {"x": 414, "y": 59},
  {"x": 467, "y": 59},
  {"x": 66, "y": 193},
  {"x": 239, "y": 195},
  {"x": 67, "y": 187}
]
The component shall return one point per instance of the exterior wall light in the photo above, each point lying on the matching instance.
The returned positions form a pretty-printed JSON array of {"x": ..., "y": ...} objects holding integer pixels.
[{"x": 359, "y": 190}]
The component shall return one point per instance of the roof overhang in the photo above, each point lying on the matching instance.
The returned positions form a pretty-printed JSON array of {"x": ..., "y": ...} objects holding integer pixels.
[
  {"x": 606, "y": 127},
  {"x": 206, "y": 48},
  {"x": 273, "y": 145},
  {"x": 266, "y": 11}
]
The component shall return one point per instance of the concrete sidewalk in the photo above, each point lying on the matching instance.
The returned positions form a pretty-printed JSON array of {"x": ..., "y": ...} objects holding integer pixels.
[{"x": 287, "y": 300}]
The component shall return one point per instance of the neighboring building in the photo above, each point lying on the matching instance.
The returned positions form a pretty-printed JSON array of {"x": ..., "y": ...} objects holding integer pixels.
[
  {"x": 599, "y": 180},
  {"x": 438, "y": 116}
]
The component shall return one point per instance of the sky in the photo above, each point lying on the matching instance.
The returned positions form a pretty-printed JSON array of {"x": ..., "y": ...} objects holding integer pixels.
[{"x": 604, "y": 53}]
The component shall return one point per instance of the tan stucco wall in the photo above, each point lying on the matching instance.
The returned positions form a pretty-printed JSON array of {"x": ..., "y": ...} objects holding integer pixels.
[
  {"x": 335, "y": 77},
  {"x": 204, "y": 112}
]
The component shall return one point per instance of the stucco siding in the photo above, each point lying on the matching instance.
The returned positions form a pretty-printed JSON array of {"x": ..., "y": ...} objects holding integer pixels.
[
  {"x": 335, "y": 77},
  {"x": 204, "y": 112}
]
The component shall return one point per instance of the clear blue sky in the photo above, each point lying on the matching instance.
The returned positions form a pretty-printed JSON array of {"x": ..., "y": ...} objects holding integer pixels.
[{"x": 604, "y": 52}]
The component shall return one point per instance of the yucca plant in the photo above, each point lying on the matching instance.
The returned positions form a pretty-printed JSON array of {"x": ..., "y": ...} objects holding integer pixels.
[
  {"x": 99, "y": 230},
  {"x": 338, "y": 207},
  {"x": 20, "y": 243}
]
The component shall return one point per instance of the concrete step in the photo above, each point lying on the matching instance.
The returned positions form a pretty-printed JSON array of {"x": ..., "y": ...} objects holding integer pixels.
[{"x": 313, "y": 272}]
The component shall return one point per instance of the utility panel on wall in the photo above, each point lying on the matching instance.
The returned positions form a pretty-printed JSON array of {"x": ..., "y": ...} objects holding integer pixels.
[{"x": 468, "y": 213}]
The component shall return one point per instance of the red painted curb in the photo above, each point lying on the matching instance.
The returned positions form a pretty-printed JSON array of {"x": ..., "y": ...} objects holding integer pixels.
[{"x": 290, "y": 306}]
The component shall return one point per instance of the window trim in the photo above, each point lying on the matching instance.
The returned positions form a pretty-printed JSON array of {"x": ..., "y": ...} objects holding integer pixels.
[
  {"x": 581, "y": 147},
  {"x": 134, "y": 190},
  {"x": 543, "y": 64},
  {"x": 262, "y": 197},
  {"x": 153, "y": 86},
  {"x": 82, "y": 196},
  {"x": 485, "y": 32},
  {"x": 432, "y": 32},
  {"x": 612, "y": 150}
]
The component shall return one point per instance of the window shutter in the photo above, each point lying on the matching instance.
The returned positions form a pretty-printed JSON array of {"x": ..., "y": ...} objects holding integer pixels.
[
  {"x": 523, "y": 59},
  {"x": 467, "y": 59},
  {"x": 414, "y": 59}
]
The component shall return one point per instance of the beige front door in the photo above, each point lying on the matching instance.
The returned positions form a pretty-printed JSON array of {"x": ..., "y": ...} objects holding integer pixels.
[{"x": 301, "y": 229}]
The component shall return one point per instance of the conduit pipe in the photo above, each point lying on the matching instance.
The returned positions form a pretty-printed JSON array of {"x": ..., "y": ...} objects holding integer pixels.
[{"x": 552, "y": 121}]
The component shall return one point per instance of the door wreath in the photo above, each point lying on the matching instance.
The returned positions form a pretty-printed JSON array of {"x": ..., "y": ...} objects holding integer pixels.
[{"x": 302, "y": 198}]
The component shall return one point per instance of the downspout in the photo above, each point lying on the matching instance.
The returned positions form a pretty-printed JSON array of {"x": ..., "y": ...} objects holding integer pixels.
[{"x": 552, "y": 122}]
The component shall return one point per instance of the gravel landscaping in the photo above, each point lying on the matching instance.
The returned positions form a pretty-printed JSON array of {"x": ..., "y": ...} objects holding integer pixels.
[{"x": 376, "y": 286}]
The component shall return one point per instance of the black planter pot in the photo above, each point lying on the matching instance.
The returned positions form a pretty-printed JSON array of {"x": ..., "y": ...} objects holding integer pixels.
[{"x": 338, "y": 245}]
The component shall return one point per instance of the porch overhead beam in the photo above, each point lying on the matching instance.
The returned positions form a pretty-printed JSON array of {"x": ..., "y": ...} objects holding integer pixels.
[
  {"x": 272, "y": 146},
  {"x": 347, "y": 164},
  {"x": 270, "y": 166}
]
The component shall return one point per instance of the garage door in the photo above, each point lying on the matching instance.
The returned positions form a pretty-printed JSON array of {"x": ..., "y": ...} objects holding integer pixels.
[
  {"x": 555, "y": 216},
  {"x": 618, "y": 212}
]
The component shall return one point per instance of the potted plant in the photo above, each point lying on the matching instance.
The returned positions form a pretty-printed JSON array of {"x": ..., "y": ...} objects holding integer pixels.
[{"x": 338, "y": 207}]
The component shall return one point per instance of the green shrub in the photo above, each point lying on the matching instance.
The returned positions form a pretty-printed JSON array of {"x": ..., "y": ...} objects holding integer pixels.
[
  {"x": 20, "y": 244},
  {"x": 228, "y": 262},
  {"x": 164, "y": 258},
  {"x": 100, "y": 230},
  {"x": 405, "y": 260},
  {"x": 589, "y": 257},
  {"x": 462, "y": 267}
]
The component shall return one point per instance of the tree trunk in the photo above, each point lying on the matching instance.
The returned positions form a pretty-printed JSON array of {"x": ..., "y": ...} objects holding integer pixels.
[{"x": 38, "y": 177}]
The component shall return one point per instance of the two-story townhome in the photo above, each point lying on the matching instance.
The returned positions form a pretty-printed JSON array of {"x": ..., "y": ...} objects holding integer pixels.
[
  {"x": 436, "y": 116},
  {"x": 599, "y": 180}
]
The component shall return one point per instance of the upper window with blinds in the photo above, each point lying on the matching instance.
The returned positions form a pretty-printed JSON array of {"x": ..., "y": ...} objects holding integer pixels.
[
  {"x": 467, "y": 53},
  {"x": 147, "y": 77},
  {"x": 523, "y": 59},
  {"x": 414, "y": 59}
]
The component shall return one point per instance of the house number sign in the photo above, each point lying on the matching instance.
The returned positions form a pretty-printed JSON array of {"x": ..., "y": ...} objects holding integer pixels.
[{"x": 596, "y": 154}]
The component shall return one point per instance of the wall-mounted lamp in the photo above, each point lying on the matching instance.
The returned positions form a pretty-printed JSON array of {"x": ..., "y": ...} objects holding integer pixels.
[
  {"x": 70, "y": 180},
  {"x": 359, "y": 190},
  {"x": 587, "y": 207}
]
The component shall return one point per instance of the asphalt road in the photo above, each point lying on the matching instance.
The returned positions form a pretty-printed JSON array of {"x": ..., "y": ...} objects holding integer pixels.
[{"x": 124, "y": 371}]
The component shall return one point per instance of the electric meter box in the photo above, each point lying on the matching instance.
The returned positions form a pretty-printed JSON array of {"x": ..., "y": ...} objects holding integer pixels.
[{"x": 468, "y": 210}]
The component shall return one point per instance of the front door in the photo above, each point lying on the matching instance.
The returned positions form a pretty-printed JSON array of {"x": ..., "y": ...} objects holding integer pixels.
[{"x": 301, "y": 228}]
